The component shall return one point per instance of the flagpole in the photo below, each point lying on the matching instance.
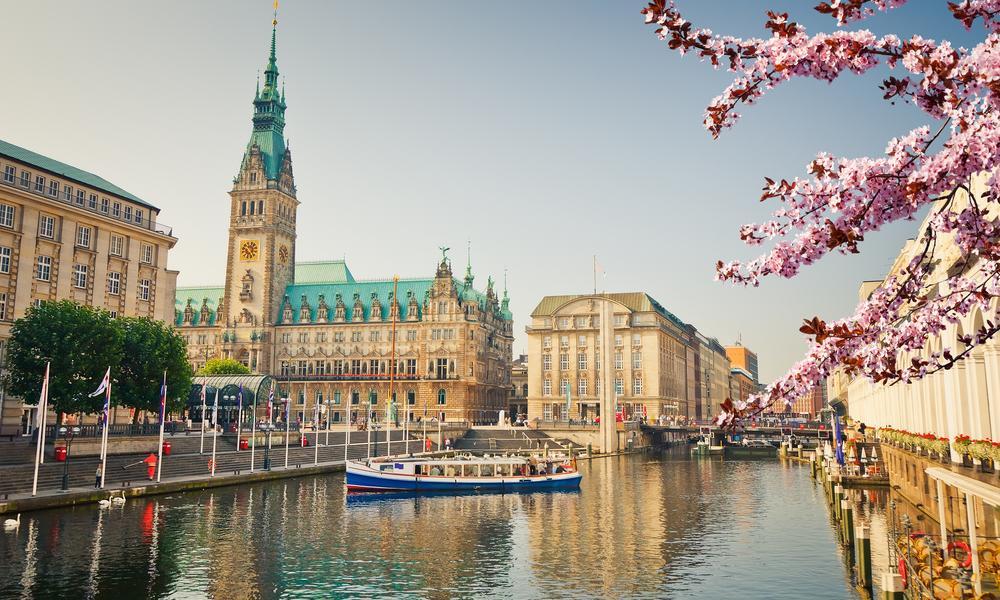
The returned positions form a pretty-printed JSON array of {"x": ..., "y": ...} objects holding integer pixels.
[
  {"x": 288, "y": 419},
  {"x": 163, "y": 416},
  {"x": 368, "y": 424},
  {"x": 347, "y": 430},
  {"x": 253, "y": 432},
  {"x": 104, "y": 434},
  {"x": 392, "y": 370},
  {"x": 42, "y": 408},
  {"x": 595, "y": 274},
  {"x": 316, "y": 428},
  {"x": 239, "y": 419},
  {"x": 215, "y": 432},
  {"x": 201, "y": 450}
]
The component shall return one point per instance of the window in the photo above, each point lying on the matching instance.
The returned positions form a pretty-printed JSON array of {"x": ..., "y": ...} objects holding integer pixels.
[
  {"x": 37, "y": 302},
  {"x": 563, "y": 362},
  {"x": 9, "y": 173},
  {"x": 39, "y": 183},
  {"x": 43, "y": 270},
  {"x": 637, "y": 386},
  {"x": 547, "y": 341},
  {"x": 144, "y": 289},
  {"x": 581, "y": 361},
  {"x": 564, "y": 387},
  {"x": 375, "y": 336},
  {"x": 80, "y": 276},
  {"x": 581, "y": 340},
  {"x": 114, "y": 283},
  {"x": 581, "y": 387},
  {"x": 68, "y": 193},
  {"x": 563, "y": 322},
  {"x": 411, "y": 397},
  {"x": 547, "y": 387},
  {"x": 442, "y": 396},
  {"x": 564, "y": 341},
  {"x": 619, "y": 360},
  {"x": 302, "y": 397},
  {"x": 619, "y": 386},
  {"x": 138, "y": 216},
  {"x": 53, "y": 188},
  {"x": 411, "y": 335},
  {"x": 5, "y": 254},
  {"x": 636, "y": 339},
  {"x": 81, "y": 197},
  {"x": 336, "y": 397},
  {"x": 3, "y": 306},
  {"x": 620, "y": 320},
  {"x": 618, "y": 341},
  {"x": 355, "y": 397},
  {"x": 117, "y": 245},
  {"x": 147, "y": 254},
  {"x": 46, "y": 226},
  {"x": 580, "y": 322},
  {"x": 92, "y": 201},
  {"x": 25, "y": 178},
  {"x": 637, "y": 360},
  {"x": 546, "y": 362},
  {"x": 128, "y": 212},
  {"x": 373, "y": 396},
  {"x": 83, "y": 236},
  {"x": 116, "y": 209},
  {"x": 6, "y": 215},
  {"x": 113, "y": 313},
  {"x": 104, "y": 205}
]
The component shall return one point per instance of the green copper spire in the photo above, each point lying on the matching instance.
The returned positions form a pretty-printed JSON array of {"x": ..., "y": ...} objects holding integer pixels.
[
  {"x": 468, "y": 267},
  {"x": 269, "y": 116},
  {"x": 505, "y": 303}
]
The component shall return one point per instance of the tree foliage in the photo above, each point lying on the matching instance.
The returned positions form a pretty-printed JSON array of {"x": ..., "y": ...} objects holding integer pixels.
[
  {"x": 81, "y": 342},
  {"x": 844, "y": 198},
  {"x": 150, "y": 348},
  {"x": 223, "y": 366}
]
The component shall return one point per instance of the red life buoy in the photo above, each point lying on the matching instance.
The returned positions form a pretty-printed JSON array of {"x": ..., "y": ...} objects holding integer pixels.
[
  {"x": 901, "y": 567},
  {"x": 965, "y": 548}
]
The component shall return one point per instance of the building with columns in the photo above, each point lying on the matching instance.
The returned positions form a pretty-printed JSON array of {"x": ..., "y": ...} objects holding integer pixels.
[
  {"x": 331, "y": 340},
  {"x": 962, "y": 400},
  {"x": 659, "y": 365},
  {"x": 67, "y": 234}
]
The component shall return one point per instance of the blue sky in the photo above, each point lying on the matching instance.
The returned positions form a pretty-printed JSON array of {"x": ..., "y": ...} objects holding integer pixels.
[{"x": 544, "y": 132}]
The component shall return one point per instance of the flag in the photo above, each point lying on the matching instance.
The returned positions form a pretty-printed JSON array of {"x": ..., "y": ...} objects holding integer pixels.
[
  {"x": 104, "y": 385},
  {"x": 288, "y": 410},
  {"x": 270, "y": 403},
  {"x": 215, "y": 410},
  {"x": 239, "y": 398},
  {"x": 42, "y": 407},
  {"x": 163, "y": 398},
  {"x": 838, "y": 448}
]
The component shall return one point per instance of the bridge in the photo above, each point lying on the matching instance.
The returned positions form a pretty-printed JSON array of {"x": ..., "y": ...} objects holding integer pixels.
[{"x": 805, "y": 433}]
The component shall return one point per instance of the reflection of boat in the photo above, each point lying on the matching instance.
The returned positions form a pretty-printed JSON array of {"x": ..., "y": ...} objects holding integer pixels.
[
  {"x": 703, "y": 448},
  {"x": 750, "y": 449},
  {"x": 362, "y": 499},
  {"x": 462, "y": 473}
]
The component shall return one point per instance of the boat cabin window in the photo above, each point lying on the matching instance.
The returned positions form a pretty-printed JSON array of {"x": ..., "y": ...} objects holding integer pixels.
[
  {"x": 468, "y": 470},
  {"x": 450, "y": 470},
  {"x": 486, "y": 470},
  {"x": 503, "y": 470},
  {"x": 385, "y": 467}
]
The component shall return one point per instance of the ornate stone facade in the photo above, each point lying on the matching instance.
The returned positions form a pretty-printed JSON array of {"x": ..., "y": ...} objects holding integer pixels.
[{"x": 327, "y": 337}]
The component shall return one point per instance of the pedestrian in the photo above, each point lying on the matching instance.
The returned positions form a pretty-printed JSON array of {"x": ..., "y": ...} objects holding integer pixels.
[
  {"x": 97, "y": 476},
  {"x": 861, "y": 429},
  {"x": 150, "y": 465}
]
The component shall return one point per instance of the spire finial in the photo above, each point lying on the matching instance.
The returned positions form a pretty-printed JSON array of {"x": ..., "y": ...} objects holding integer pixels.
[
  {"x": 274, "y": 21},
  {"x": 468, "y": 265}
]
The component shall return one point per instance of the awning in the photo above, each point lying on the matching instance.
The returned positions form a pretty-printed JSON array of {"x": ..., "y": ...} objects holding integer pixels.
[
  {"x": 967, "y": 485},
  {"x": 228, "y": 387}
]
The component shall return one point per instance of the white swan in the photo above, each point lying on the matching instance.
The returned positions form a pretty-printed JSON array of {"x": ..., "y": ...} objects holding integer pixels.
[
  {"x": 104, "y": 503},
  {"x": 118, "y": 500},
  {"x": 9, "y": 524}
]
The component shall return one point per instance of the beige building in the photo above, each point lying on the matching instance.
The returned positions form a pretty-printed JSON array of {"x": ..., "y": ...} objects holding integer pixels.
[
  {"x": 66, "y": 234},
  {"x": 517, "y": 404},
  {"x": 328, "y": 337},
  {"x": 962, "y": 400},
  {"x": 656, "y": 364}
]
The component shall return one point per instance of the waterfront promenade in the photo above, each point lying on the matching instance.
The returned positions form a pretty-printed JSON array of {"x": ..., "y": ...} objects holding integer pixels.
[{"x": 187, "y": 471}]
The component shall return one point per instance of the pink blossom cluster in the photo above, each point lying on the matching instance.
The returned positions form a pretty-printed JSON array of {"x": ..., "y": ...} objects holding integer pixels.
[{"x": 842, "y": 199}]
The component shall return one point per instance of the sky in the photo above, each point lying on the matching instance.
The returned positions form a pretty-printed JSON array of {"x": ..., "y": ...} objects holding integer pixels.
[{"x": 543, "y": 133}]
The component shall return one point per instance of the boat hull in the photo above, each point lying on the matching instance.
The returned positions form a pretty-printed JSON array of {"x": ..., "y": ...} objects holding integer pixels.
[{"x": 359, "y": 480}]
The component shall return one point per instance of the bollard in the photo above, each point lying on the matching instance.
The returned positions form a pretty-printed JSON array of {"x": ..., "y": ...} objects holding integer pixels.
[
  {"x": 863, "y": 552},
  {"x": 892, "y": 586},
  {"x": 838, "y": 495},
  {"x": 847, "y": 514}
]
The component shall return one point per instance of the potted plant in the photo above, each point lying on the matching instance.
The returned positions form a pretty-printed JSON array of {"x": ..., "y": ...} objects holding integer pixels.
[
  {"x": 961, "y": 445},
  {"x": 982, "y": 450}
]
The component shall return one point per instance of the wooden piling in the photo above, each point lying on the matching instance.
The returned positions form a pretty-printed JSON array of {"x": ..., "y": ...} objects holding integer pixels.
[
  {"x": 892, "y": 586},
  {"x": 863, "y": 555}
]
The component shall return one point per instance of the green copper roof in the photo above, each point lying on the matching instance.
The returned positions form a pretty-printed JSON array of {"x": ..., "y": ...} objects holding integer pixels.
[
  {"x": 67, "y": 171},
  {"x": 323, "y": 271},
  {"x": 198, "y": 296},
  {"x": 364, "y": 290}
]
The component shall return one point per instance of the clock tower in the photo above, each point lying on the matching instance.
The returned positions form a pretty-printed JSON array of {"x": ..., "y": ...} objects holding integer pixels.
[{"x": 262, "y": 215}]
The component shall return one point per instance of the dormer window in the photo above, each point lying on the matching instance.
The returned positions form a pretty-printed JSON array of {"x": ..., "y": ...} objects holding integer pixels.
[
  {"x": 322, "y": 311},
  {"x": 376, "y": 312},
  {"x": 340, "y": 310},
  {"x": 188, "y": 313},
  {"x": 358, "y": 313},
  {"x": 253, "y": 177},
  {"x": 286, "y": 315},
  {"x": 305, "y": 311}
]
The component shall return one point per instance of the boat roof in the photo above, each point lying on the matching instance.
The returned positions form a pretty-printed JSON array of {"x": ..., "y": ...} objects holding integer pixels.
[{"x": 467, "y": 460}]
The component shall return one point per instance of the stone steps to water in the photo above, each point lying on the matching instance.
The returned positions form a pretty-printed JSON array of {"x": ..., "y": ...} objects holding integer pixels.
[{"x": 18, "y": 478}]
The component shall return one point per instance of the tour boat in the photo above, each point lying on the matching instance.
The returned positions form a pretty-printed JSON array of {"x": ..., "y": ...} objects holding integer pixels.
[{"x": 464, "y": 473}]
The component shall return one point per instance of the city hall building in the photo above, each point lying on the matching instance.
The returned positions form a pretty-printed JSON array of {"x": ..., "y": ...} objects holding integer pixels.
[
  {"x": 327, "y": 337},
  {"x": 67, "y": 234}
]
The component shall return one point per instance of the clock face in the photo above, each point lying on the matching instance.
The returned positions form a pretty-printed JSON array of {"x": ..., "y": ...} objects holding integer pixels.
[
  {"x": 249, "y": 250},
  {"x": 283, "y": 254}
]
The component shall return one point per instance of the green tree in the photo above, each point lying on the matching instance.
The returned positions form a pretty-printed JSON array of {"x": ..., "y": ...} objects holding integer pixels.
[
  {"x": 150, "y": 348},
  {"x": 224, "y": 366},
  {"x": 80, "y": 342}
]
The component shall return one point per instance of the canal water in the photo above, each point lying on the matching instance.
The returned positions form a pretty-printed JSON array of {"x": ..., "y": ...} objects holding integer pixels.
[{"x": 641, "y": 526}]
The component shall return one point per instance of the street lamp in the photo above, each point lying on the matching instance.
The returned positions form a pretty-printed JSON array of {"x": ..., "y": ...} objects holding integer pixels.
[
  {"x": 268, "y": 427},
  {"x": 67, "y": 433}
]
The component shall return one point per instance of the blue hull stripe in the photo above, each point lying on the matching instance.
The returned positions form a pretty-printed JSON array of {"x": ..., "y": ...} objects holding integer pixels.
[{"x": 364, "y": 482}]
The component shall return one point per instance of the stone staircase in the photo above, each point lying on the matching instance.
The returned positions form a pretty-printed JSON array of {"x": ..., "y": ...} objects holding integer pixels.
[
  {"x": 482, "y": 440},
  {"x": 17, "y": 478}
]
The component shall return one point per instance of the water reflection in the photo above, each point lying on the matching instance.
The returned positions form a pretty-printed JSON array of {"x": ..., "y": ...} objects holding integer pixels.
[{"x": 640, "y": 526}]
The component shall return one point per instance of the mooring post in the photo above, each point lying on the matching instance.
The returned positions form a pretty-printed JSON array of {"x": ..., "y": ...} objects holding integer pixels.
[
  {"x": 838, "y": 495},
  {"x": 863, "y": 552},
  {"x": 847, "y": 514},
  {"x": 892, "y": 586}
]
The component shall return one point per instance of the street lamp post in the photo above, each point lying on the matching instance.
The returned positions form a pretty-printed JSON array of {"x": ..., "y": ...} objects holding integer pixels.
[
  {"x": 67, "y": 433},
  {"x": 268, "y": 427}
]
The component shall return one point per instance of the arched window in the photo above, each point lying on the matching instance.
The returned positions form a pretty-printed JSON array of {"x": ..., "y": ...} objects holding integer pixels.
[
  {"x": 253, "y": 205},
  {"x": 373, "y": 396},
  {"x": 442, "y": 396},
  {"x": 260, "y": 207},
  {"x": 243, "y": 208}
]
